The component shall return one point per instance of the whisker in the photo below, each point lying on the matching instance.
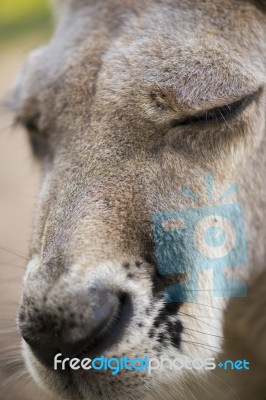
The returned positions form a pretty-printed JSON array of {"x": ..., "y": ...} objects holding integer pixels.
[
  {"x": 203, "y": 386},
  {"x": 4, "y": 354},
  {"x": 202, "y": 346},
  {"x": 8, "y": 331},
  {"x": 191, "y": 316},
  {"x": 6, "y": 128},
  {"x": 187, "y": 390},
  {"x": 14, "y": 253},
  {"x": 209, "y": 334},
  {"x": 15, "y": 377},
  {"x": 194, "y": 336},
  {"x": 11, "y": 361},
  {"x": 8, "y": 264},
  {"x": 224, "y": 383},
  {"x": 205, "y": 305}
]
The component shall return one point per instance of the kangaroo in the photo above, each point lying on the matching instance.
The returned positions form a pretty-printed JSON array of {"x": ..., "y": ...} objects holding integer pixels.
[{"x": 130, "y": 102}]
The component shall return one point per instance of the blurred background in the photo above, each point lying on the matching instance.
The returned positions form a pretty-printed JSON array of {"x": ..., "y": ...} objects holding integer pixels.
[{"x": 24, "y": 25}]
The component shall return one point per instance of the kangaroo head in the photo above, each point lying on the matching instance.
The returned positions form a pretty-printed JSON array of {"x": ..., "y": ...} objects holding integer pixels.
[{"x": 129, "y": 103}]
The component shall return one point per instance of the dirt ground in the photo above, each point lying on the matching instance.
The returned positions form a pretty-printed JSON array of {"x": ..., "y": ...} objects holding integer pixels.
[{"x": 19, "y": 179}]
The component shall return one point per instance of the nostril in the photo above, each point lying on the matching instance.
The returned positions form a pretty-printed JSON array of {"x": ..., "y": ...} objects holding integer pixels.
[
  {"x": 76, "y": 335},
  {"x": 113, "y": 332},
  {"x": 104, "y": 329},
  {"x": 88, "y": 329}
]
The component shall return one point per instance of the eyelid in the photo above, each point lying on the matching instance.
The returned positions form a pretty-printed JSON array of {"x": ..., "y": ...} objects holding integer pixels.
[{"x": 218, "y": 113}]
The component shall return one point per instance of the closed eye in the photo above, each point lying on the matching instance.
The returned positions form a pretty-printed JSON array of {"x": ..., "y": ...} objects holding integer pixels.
[
  {"x": 38, "y": 138},
  {"x": 217, "y": 114}
]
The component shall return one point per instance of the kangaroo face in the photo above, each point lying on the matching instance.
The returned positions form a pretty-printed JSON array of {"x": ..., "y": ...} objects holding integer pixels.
[{"x": 124, "y": 107}]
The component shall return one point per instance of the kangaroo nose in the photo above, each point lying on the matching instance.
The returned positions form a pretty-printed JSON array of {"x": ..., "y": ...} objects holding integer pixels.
[{"x": 84, "y": 327}]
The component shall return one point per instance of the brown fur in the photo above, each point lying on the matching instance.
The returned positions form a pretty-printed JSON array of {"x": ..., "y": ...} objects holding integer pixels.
[{"x": 103, "y": 95}]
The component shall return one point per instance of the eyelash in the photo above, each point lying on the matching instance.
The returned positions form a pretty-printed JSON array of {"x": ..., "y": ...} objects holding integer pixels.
[{"x": 218, "y": 114}]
